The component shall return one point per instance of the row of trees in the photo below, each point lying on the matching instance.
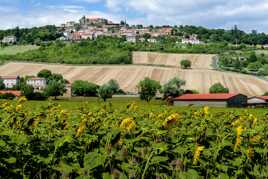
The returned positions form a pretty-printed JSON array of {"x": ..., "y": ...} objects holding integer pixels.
[
  {"x": 234, "y": 36},
  {"x": 105, "y": 91},
  {"x": 147, "y": 88},
  {"x": 34, "y": 35}
]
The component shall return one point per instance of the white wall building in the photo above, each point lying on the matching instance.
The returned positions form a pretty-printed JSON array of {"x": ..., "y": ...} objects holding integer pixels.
[
  {"x": 131, "y": 37},
  {"x": 9, "y": 39},
  {"x": 37, "y": 83},
  {"x": 10, "y": 81},
  {"x": 191, "y": 40}
]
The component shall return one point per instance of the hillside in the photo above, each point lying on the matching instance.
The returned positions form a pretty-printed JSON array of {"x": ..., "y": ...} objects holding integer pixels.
[
  {"x": 128, "y": 76},
  {"x": 199, "y": 61}
]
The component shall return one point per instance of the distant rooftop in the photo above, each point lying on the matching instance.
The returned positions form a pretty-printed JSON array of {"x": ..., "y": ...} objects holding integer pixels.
[{"x": 204, "y": 97}]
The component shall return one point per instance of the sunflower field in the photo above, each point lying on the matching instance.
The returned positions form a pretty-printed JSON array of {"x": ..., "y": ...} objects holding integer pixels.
[{"x": 108, "y": 142}]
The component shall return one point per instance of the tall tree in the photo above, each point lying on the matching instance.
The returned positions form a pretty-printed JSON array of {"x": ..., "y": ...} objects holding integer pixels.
[
  {"x": 55, "y": 88},
  {"x": 148, "y": 89},
  {"x": 2, "y": 84},
  {"x": 173, "y": 88}
]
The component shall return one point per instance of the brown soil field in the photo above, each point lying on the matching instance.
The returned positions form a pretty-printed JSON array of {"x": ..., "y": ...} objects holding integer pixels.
[
  {"x": 128, "y": 76},
  {"x": 199, "y": 61}
]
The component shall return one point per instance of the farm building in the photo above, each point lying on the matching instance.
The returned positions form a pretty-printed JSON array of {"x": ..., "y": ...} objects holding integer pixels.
[
  {"x": 216, "y": 100},
  {"x": 10, "y": 81},
  {"x": 37, "y": 83},
  {"x": 258, "y": 101}
]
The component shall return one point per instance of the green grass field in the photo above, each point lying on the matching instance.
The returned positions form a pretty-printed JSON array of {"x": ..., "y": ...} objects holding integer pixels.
[{"x": 12, "y": 50}]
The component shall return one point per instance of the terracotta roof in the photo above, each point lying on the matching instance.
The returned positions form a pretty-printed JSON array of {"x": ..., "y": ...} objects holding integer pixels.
[
  {"x": 36, "y": 78},
  {"x": 263, "y": 97},
  {"x": 16, "y": 93},
  {"x": 205, "y": 97},
  {"x": 8, "y": 77}
]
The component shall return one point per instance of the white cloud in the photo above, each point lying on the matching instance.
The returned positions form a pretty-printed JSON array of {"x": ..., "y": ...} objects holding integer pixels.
[{"x": 247, "y": 14}]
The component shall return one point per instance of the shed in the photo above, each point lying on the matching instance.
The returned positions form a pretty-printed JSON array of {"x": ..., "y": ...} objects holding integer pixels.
[
  {"x": 215, "y": 100},
  {"x": 258, "y": 101}
]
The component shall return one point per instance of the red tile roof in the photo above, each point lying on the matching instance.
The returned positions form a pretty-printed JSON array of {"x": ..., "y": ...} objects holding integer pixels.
[
  {"x": 16, "y": 93},
  {"x": 205, "y": 97},
  {"x": 263, "y": 97},
  {"x": 8, "y": 77},
  {"x": 36, "y": 78}
]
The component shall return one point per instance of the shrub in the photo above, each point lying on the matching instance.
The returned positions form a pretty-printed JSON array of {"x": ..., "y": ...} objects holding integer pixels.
[
  {"x": 44, "y": 74},
  {"x": 218, "y": 88},
  {"x": 173, "y": 88},
  {"x": 105, "y": 92},
  {"x": 254, "y": 66},
  {"x": 8, "y": 96},
  {"x": 185, "y": 64},
  {"x": 84, "y": 88}
]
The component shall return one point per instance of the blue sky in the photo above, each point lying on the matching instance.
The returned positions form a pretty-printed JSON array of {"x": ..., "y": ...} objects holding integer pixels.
[{"x": 247, "y": 14}]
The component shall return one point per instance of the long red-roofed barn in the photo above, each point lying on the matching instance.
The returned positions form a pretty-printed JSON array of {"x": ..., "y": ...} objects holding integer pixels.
[{"x": 214, "y": 100}]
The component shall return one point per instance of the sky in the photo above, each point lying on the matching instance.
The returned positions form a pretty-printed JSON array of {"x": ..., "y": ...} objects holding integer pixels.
[{"x": 247, "y": 14}]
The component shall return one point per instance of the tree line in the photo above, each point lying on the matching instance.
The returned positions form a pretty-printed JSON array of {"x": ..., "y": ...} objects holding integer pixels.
[
  {"x": 233, "y": 36},
  {"x": 35, "y": 35},
  {"x": 249, "y": 62}
]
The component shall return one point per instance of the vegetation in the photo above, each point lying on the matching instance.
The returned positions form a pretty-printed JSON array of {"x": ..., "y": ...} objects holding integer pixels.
[
  {"x": 233, "y": 36},
  {"x": 102, "y": 51},
  {"x": 115, "y": 88},
  {"x": 185, "y": 64},
  {"x": 34, "y": 35},
  {"x": 55, "y": 88},
  {"x": 245, "y": 61},
  {"x": 173, "y": 88},
  {"x": 111, "y": 50},
  {"x": 2, "y": 85},
  {"x": 108, "y": 90},
  {"x": 148, "y": 89},
  {"x": 44, "y": 74},
  {"x": 15, "y": 49},
  {"x": 265, "y": 94},
  {"x": 84, "y": 88},
  {"x": 27, "y": 91},
  {"x": 130, "y": 142},
  {"x": 218, "y": 88},
  {"x": 105, "y": 92}
]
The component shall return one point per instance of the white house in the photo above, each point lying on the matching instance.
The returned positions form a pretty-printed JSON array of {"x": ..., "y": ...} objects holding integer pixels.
[
  {"x": 152, "y": 40},
  {"x": 10, "y": 81},
  {"x": 9, "y": 39},
  {"x": 37, "y": 83},
  {"x": 191, "y": 40},
  {"x": 131, "y": 37}
]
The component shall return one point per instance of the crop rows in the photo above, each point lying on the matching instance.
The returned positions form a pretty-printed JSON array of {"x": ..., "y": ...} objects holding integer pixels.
[{"x": 130, "y": 142}]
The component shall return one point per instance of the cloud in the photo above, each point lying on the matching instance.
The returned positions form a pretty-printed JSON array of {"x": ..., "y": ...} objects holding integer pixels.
[{"x": 247, "y": 14}]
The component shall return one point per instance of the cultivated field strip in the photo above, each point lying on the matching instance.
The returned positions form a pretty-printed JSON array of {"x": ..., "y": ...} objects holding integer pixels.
[
  {"x": 199, "y": 61},
  {"x": 129, "y": 76}
]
